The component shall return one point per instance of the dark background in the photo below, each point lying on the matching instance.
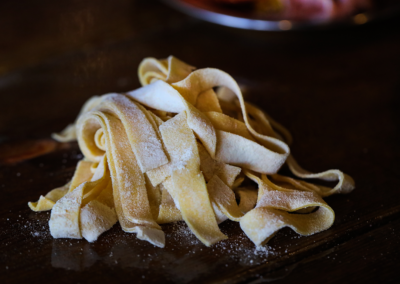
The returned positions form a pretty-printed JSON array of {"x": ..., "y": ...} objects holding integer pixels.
[{"x": 336, "y": 90}]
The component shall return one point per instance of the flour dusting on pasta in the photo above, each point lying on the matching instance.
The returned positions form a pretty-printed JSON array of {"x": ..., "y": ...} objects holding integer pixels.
[{"x": 179, "y": 148}]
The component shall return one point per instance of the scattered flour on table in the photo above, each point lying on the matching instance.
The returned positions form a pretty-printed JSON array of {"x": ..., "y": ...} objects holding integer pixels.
[{"x": 238, "y": 248}]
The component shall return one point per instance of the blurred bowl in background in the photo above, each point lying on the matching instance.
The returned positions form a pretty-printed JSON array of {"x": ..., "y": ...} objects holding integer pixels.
[{"x": 244, "y": 14}]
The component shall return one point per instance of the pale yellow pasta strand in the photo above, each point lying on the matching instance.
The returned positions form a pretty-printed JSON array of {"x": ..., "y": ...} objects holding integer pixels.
[
  {"x": 203, "y": 79},
  {"x": 345, "y": 182},
  {"x": 82, "y": 174},
  {"x": 187, "y": 185},
  {"x": 170, "y": 70},
  {"x": 271, "y": 213},
  {"x": 224, "y": 198},
  {"x": 172, "y": 87}
]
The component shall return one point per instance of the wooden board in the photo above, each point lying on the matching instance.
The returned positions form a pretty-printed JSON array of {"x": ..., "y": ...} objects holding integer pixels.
[{"x": 336, "y": 91}]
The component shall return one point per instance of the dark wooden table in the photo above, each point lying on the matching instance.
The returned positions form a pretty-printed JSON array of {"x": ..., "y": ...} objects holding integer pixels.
[{"x": 337, "y": 91}]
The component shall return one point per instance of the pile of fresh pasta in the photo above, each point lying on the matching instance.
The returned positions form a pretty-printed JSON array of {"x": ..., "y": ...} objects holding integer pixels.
[{"x": 180, "y": 148}]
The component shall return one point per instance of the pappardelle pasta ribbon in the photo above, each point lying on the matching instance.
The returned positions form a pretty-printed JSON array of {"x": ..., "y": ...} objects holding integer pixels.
[{"x": 179, "y": 148}]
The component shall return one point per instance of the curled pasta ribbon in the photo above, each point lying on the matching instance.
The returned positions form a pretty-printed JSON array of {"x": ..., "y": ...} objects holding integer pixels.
[
  {"x": 273, "y": 209},
  {"x": 175, "y": 149},
  {"x": 170, "y": 70},
  {"x": 86, "y": 210},
  {"x": 69, "y": 133}
]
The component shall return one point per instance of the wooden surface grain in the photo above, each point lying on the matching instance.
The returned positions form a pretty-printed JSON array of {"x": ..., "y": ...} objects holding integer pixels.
[{"x": 337, "y": 91}]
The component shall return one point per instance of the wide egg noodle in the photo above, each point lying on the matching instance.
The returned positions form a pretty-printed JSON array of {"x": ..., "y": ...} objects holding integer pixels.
[
  {"x": 47, "y": 202},
  {"x": 248, "y": 199},
  {"x": 129, "y": 186},
  {"x": 228, "y": 124},
  {"x": 96, "y": 218},
  {"x": 161, "y": 95},
  {"x": 151, "y": 69},
  {"x": 275, "y": 151},
  {"x": 210, "y": 167},
  {"x": 98, "y": 213},
  {"x": 267, "y": 160},
  {"x": 155, "y": 197},
  {"x": 82, "y": 174},
  {"x": 203, "y": 79},
  {"x": 170, "y": 70},
  {"x": 345, "y": 182},
  {"x": 219, "y": 215},
  {"x": 239, "y": 151},
  {"x": 224, "y": 198},
  {"x": 69, "y": 133},
  {"x": 85, "y": 211},
  {"x": 292, "y": 183},
  {"x": 168, "y": 211},
  {"x": 208, "y": 101},
  {"x": 272, "y": 213},
  {"x": 64, "y": 219},
  {"x": 177, "y": 150},
  {"x": 143, "y": 138},
  {"x": 187, "y": 185}
]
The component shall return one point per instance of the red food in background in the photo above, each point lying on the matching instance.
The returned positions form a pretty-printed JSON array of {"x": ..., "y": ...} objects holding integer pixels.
[
  {"x": 234, "y": 1},
  {"x": 301, "y": 10},
  {"x": 308, "y": 9}
]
